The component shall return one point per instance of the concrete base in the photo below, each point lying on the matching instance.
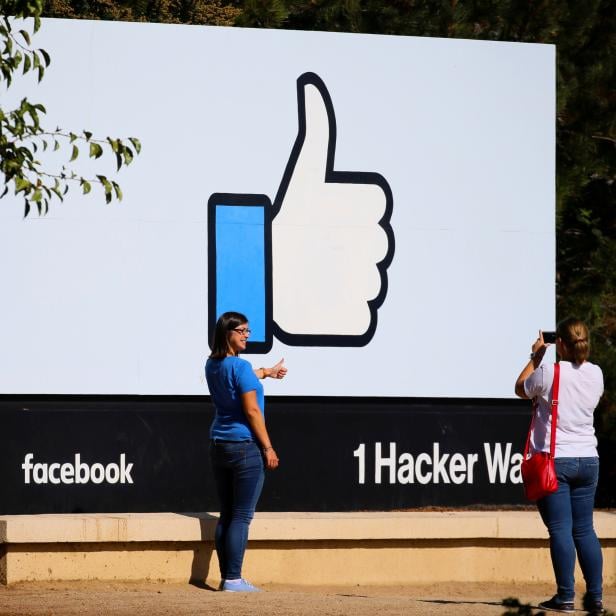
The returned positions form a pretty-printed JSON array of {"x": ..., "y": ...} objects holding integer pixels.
[{"x": 291, "y": 548}]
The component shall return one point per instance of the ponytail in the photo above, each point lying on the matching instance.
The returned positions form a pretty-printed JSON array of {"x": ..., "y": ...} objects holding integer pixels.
[{"x": 575, "y": 340}]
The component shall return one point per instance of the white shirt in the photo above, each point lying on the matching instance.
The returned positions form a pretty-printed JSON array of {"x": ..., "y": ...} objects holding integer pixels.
[{"x": 581, "y": 387}]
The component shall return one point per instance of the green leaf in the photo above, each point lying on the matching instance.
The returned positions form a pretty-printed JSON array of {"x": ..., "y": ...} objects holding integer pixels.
[
  {"x": 37, "y": 196},
  {"x": 21, "y": 184},
  {"x": 56, "y": 145},
  {"x": 118, "y": 190},
  {"x": 46, "y": 57},
  {"x": 58, "y": 193},
  {"x": 87, "y": 134},
  {"x": 128, "y": 155},
  {"x": 37, "y": 24},
  {"x": 95, "y": 150},
  {"x": 136, "y": 144},
  {"x": 25, "y": 36},
  {"x": 34, "y": 115},
  {"x": 41, "y": 73},
  {"x": 75, "y": 153},
  {"x": 107, "y": 186},
  {"x": 72, "y": 137},
  {"x": 27, "y": 64},
  {"x": 87, "y": 187},
  {"x": 27, "y": 154}
]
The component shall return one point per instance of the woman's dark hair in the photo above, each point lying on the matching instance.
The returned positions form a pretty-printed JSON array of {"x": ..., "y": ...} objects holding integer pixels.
[
  {"x": 227, "y": 322},
  {"x": 575, "y": 339}
]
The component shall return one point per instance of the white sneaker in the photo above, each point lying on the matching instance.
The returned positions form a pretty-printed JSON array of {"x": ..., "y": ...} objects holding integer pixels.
[{"x": 240, "y": 586}]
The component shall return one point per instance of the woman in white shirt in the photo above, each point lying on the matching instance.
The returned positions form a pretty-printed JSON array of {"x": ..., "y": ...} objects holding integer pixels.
[{"x": 568, "y": 512}]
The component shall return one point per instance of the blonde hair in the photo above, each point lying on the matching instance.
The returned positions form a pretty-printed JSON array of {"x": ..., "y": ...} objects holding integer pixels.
[{"x": 575, "y": 339}]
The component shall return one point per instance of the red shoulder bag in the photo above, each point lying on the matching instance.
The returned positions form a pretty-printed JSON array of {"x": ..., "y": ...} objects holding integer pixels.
[{"x": 538, "y": 472}]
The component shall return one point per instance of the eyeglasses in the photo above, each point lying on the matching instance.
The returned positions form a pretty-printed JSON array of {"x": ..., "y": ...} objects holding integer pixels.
[{"x": 243, "y": 331}]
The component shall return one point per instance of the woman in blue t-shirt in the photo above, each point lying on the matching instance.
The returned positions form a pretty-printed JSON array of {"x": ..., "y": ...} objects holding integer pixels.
[{"x": 240, "y": 446}]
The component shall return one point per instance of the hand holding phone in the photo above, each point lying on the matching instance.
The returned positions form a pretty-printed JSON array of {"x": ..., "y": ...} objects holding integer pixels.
[{"x": 549, "y": 337}]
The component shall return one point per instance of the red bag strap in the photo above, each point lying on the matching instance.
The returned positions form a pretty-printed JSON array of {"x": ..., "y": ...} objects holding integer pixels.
[
  {"x": 555, "y": 388},
  {"x": 554, "y": 407}
]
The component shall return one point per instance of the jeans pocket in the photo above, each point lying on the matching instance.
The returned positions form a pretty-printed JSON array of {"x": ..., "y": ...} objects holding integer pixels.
[
  {"x": 230, "y": 454},
  {"x": 566, "y": 468},
  {"x": 253, "y": 456},
  {"x": 589, "y": 470}
]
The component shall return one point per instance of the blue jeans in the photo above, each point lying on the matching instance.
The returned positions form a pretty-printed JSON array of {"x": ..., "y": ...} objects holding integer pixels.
[
  {"x": 567, "y": 514},
  {"x": 238, "y": 471}
]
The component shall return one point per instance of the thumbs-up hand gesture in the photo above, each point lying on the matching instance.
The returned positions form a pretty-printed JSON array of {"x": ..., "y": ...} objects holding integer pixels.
[
  {"x": 331, "y": 237},
  {"x": 310, "y": 270},
  {"x": 279, "y": 371}
]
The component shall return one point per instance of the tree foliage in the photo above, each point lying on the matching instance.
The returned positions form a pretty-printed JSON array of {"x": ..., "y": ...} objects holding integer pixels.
[
  {"x": 23, "y": 138},
  {"x": 211, "y": 12}
]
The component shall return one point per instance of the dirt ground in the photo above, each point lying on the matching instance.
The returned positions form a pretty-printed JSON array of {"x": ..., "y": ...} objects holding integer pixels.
[{"x": 158, "y": 599}]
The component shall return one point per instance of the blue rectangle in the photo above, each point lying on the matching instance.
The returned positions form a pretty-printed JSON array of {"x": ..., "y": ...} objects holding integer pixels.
[{"x": 240, "y": 264}]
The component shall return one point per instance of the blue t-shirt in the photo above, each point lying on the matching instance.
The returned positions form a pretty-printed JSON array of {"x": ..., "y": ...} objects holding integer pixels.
[{"x": 227, "y": 380}]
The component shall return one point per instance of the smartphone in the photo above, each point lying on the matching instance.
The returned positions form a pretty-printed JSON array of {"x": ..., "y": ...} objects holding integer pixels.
[{"x": 549, "y": 337}]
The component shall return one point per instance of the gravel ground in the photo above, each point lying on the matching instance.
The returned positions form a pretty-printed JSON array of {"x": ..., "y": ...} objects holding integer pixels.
[{"x": 158, "y": 599}]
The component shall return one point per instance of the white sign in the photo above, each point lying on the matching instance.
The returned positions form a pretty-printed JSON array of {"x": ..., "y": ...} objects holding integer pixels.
[{"x": 381, "y": 207}]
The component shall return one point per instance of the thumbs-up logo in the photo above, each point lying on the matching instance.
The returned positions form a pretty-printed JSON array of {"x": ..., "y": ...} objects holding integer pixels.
[{"x": 310, "y": 269}]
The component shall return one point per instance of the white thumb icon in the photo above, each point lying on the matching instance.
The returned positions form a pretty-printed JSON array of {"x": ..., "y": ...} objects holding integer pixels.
[{"x": 331, "y": 237}]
